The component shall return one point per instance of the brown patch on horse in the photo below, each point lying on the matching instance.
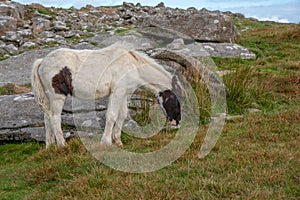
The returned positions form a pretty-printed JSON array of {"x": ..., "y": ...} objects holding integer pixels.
[{"x": 62, "y": 82}]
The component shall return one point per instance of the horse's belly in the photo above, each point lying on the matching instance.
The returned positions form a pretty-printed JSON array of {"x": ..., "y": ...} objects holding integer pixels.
[{"x": 91, "y": 90}]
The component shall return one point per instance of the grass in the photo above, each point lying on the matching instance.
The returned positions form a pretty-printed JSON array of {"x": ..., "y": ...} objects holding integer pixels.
[
  {"x": 256, "y": 157},
  {"x": 142, "y": 113},
  {"x": 270, "y": 80},
  {"x": 9, "y": 89},
  {"x": 94, "y": 43},
  {"x": 44, "y": 12},
  {"x": 245, "y": 91},
  {"x": 74, "y": 39},
  {"x": 121, "y": 31},
  {"x": 252, "y": 160},
  {"x": 125, "y": 31},
  {"x": 2, "y": 58}
]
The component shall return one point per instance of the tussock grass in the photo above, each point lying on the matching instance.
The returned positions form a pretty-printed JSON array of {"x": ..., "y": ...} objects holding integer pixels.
[{"x": 244, "y": 90}]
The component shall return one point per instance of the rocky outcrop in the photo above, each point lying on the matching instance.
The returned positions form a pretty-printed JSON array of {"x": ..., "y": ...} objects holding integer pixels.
[
  {"x": 228, "y": 50},
  {"x": 200, "y": 25},
  {"x": 40, "y": 25},
  {"x": 34, "y": 26},
  {"x": 19, "y": 111},
  {"x": 223, "y": 50},
  {"x": 22, "y": 134},
  {"x": 11, "y": 14},
  {"x": 21, "y": 118},
  {"x": 17, "y": 69},
  {"x": 7, "y": 24},
  {"x": 12, "y": 9},
  {"x": 130, "y": 41}
]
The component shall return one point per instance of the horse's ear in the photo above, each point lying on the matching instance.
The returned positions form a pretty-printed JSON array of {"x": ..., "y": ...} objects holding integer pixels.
[{"x": 176, "y": 86}]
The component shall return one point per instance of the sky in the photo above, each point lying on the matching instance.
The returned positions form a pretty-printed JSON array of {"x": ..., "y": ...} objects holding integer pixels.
[{"x": 285, "y": 11}]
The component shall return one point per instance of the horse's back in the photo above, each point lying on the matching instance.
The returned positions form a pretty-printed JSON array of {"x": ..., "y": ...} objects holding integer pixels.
[
  {"x": 72, "y": 57},
  {"x": 95, "y": 70}
]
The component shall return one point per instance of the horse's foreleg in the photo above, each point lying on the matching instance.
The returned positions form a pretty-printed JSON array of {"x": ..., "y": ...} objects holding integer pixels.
[
  {"x": 114, "y": 106},
  {"x": 119, "y": 123}
]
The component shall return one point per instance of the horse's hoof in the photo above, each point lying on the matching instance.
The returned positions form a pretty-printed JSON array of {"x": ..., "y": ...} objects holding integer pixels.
[
  {"x": 105, "y": 142},
  {"x": 119, "y": 144},
  {"x": 61, "y": 143}
]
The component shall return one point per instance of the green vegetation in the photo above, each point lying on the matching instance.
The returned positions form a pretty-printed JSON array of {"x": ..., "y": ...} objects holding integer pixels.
[
  {"x": 69, "y": 24},
  {"x": 44, "y": 12},
  {"x": 94, "y": 43},
  {"x": 73, "y": 39},
  {"x": 256, "y": 157},
  {"x": 7, "y": 89},
  {"x": 125, "y": 31},
  {"x": 272, "y": 79},
  {"x": 121, "y": 31},
  {"x": 142, "y": 114},
  {"x": 10, "y": 88},
  {"x": 2, "y": 58}
]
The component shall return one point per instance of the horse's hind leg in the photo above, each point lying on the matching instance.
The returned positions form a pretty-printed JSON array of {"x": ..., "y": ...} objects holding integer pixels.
[
  {"x": 55, "y": 119},
  {"x": 50, "y": 137}
]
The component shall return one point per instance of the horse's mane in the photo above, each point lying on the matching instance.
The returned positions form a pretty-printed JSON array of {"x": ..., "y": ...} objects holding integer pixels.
[{"x": 141, "y": 57}]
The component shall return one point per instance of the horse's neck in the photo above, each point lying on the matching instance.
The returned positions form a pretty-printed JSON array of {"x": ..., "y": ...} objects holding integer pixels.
[{"x": 156, "y": 78}]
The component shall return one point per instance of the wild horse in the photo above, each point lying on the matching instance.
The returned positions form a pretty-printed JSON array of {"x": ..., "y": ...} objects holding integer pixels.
[{"x": 113, "y": 71}]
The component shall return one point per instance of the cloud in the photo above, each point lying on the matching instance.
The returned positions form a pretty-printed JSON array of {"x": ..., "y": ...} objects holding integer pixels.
[
  {"x": 273, "y": 18},
  {"x": 229, "y": 4},
  {"x": 279, "y": 13}
]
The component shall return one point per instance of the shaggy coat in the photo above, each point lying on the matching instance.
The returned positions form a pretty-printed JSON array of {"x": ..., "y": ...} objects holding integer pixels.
[{"x": 91, "y": 74}]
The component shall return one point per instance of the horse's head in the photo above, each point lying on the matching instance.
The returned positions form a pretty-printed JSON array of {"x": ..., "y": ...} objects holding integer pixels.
[{"x": 171, "y": 107}]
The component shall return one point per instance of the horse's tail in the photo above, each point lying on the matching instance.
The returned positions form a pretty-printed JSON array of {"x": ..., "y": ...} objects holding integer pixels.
[{"x": 38, "y": 88}]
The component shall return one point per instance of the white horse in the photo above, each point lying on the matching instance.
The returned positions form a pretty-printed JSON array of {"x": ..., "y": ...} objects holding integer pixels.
[{"x": 91, "y": 74}]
